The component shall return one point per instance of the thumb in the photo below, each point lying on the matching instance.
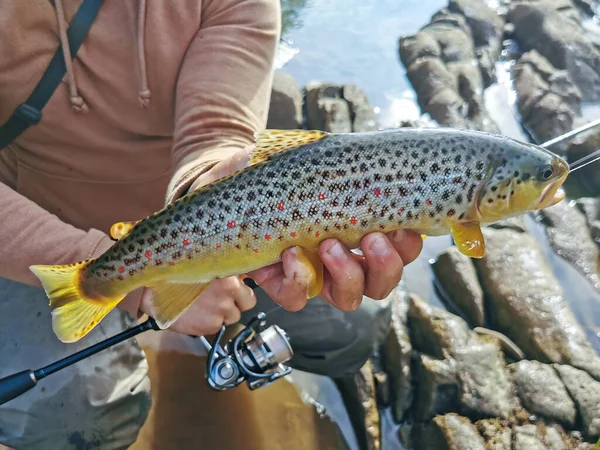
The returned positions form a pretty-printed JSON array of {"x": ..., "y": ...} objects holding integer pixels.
[{"x": 229, "y": 165}]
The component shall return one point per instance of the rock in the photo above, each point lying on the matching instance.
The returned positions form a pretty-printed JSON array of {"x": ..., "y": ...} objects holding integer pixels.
[
  {"x": 590, "y": 207},
  {"x": 285, "y": 110},
  {"x": 361, "y": 111},
  {"x": 447, "y": 432},
  {"x": 418, "y": 46},
  {"x": 437, "y": 390},
  {"x": 586, "y": 179},
  {"x": 458, "y": 278},
  {"x": 526, "y": 303},
  {"x": 585, "y": 391},
  {"x": 486, "y": 25},
  {"x": 338, "y": 109},
  {"x": 496, "y": 435},
  {"x": 516, "y": 223},
  {"x": 542, "y": 392},
  {"x": 397, "y": 351},
  {"x": 547, "y": 99},
  {"x": 444, "y": 69},
  {"x": 484, "y": 388},
  {"x": 569, "y": 235},
  {"x": 526, "y": 437},
  {"x": 548, "y": 27},
  {"x": 358, "y": 393}
]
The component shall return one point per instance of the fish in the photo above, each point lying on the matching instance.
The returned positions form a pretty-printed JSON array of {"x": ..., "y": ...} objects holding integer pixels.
[{"x": 299, "y": 188}]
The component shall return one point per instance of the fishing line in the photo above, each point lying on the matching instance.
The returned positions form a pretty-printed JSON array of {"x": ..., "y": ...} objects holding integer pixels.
[{"x": 582, "y": 162}]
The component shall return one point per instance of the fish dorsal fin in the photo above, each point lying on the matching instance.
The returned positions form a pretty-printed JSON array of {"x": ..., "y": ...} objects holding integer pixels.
[
  {"x": 272, "y": 142},
  {"x": 121, "y": 229}
]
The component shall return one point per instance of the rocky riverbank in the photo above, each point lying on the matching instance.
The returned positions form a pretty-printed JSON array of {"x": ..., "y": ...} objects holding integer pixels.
[{"x": 512, "y": 367}]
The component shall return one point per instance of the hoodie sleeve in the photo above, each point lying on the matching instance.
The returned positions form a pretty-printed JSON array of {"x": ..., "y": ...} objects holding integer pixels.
[{"x": 224, "y": 87}]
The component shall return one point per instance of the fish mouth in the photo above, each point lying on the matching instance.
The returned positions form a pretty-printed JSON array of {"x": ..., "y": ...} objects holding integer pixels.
[{"x": 551, "y": 195}]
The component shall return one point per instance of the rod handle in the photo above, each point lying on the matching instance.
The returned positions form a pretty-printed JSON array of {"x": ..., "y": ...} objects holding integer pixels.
[{"x": 16, "y": 384}]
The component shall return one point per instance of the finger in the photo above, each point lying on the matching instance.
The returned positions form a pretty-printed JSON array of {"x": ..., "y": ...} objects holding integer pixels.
[
  {"x": 232, "y": 314},
  {"x": 345, "y": 279},
  {"x": 237, "y": 161},
  {"x": 285, "y": 283},
  {"x": 244, "y": 298},
  {"x": 407, "y": 243},
  {"x": 384, "y": 265}
]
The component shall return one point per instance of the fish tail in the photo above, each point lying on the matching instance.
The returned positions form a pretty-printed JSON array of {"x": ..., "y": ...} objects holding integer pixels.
[{"x": 74, "y": 313}]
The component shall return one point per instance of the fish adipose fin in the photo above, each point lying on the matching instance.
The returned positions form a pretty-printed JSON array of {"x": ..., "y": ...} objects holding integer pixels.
[
  {"x": 272, "y": 142},
  {"x": 73, "y": 313},
  {"x": 312, "y": 266},
  {"x": 121, "y": 229},
  {"x": 171, "y": 300},
  {"x": 468, "y": 239}
]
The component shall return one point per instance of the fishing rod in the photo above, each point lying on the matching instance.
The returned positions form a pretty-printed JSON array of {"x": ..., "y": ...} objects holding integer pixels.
[{"x": 255, "y": 355}]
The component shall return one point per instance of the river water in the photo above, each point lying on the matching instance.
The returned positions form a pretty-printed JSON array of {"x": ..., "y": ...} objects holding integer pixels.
[{"x": 356, "y": 41}]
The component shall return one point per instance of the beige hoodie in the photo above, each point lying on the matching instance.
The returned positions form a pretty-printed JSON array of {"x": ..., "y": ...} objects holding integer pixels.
[{"x": 159, "y": 90}]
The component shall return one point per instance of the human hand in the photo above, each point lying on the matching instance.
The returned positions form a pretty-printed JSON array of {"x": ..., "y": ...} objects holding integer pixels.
[
  {"x": 347, "y": 276},
  {"x": 221, "y": 303}
]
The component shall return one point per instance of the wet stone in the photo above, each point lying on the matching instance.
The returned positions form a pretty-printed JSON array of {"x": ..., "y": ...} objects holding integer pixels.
[
  {"x": 396, "y": 354},
  {"x": 525, "y": 302},
  {"x": 447, "y": 432},
  {"x": 585, "y": 391},
  {"x": 496, "y": 435},
  {"x": 526, "y": 437},
  {"x": 570, "y": 236},
  {"x": 542, "y": 392},
  {"x": 458, "y": 279}
]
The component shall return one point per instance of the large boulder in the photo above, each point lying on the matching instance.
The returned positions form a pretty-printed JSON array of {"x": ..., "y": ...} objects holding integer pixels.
[
  {"x": 547, "y": 99},
  {"x": 526, "y": 302},
  {"x": 553, "y": 28},
  {"x": 285, "y": 110},
  {"x": 586, "y": 180}
]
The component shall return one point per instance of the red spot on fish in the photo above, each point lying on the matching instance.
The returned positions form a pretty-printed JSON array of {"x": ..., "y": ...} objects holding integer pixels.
[
  {"x": 255, "y": 250},
  {"x": 401, "y": 211},
  {"x": 293, "y": 234},
  {"x": 377, "y": 192},
  {"x": 148, "y": 254},
  {"x": 280, "y": 206},
  {"x": 268, "y": 237},
  {"x": 186, "y": 241},
  {"x": 171, "y": 263},
  {"x": 318, "y": 233},
  {"x": 428, "y": 201},
  {"x": 353, "y": 220},
  {"x": 218, "y": 246},
  {"x": 231, "y": 224},
  {"x": 321, "y": 196},
  {"x": 121, "y": 269}
]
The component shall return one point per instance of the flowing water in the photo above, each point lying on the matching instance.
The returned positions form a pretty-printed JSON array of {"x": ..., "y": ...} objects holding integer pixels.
[{"x": 356, "y": 41}]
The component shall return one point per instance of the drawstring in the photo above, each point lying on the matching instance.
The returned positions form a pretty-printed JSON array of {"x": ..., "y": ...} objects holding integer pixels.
[
  {"x": 144, "y": 93},
  {"x": 77, "y": 103}
]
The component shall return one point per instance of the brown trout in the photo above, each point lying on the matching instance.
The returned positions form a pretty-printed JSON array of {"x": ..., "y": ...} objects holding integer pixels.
[{"x": 300, "y": 188}]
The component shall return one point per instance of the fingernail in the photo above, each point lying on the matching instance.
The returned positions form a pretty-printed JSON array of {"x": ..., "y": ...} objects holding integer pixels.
[
  {"x": 379, "y": 246},
  {"x": 398, "y": 236},
  {"x": 336, "y": 250}
]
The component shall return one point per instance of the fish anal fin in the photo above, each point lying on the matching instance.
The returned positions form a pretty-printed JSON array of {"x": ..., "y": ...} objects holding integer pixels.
[
  {"x": 311, "y": 267},
  {"x": 469, "y": 239},
  {"x": 121, "y": 229},
  {"x": 74, "y": 314},
  {"x": 272, "y": 142},
  {"x": 171, "y": 300}
]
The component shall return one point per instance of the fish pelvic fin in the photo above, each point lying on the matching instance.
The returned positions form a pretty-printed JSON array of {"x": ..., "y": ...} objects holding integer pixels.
[
  {"x": 272, "y": 142},
  {"x": 74, "y": 314},
  {"x": 171, "y": 300},
  {"x": 121, "y": 229}
]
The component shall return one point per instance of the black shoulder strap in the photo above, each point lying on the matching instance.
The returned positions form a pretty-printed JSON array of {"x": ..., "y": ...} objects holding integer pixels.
[{"x": 30, "y": 112}]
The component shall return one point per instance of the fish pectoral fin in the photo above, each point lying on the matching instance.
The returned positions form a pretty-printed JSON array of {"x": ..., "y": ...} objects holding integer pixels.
[
  {"x": 272, "y": 142},
  {"x": 311, "y": 267},
  {"x": 121, "y": 229},
  {"x": 74, "y": 314},
  {"x": 171, "y": 300},
  {"x": 468, "y": 239}
]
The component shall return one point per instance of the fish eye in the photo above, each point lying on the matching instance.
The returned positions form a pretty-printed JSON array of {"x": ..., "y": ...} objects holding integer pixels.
[{"x": 545, "y": 173}]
